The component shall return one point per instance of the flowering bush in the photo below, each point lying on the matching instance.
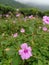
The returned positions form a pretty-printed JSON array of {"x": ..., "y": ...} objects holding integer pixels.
[{"x": 24, "y": 42}]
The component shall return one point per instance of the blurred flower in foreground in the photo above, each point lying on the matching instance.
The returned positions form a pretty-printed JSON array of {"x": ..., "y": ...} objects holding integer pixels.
[
  {"x": 30, "y": 17},
  {"x": 7, "y": 15},
  {"x": 44, "y": 29},
  {"x": 25, "y": 51},
  {"x": 46, "y": 19},
  {"x": 22, "y": 30},
  {"x": 17, "y": 15},
  {"x": 15, "y": 35}
]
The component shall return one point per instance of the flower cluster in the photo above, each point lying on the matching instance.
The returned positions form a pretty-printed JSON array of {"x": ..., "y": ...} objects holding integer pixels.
[
  {"x": 17, "y": 15},
  {"x": 31, "y": 16},
  {"x": 45, "y": 21}
]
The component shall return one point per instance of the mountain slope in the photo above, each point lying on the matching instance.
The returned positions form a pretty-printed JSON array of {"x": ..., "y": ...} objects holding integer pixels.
[{"x": 12, "y": 3}]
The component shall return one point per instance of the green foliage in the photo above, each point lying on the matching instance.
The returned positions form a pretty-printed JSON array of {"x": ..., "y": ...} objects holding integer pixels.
[
  {"x": 33, "y": 36},
  {"x": 32, "y": 11},
  {"x": 5, "y": 9},
  {"x": 47, "y": 12},
  {"x": 25, "y": 11},
  {"x": 12, "y": 3}
]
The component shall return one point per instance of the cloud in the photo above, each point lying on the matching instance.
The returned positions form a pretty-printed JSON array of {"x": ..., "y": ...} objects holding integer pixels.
[{"x": 42, "y": 2}]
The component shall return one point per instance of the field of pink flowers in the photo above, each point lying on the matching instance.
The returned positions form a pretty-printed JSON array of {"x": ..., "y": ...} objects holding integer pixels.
[{"x": 24, "y": 40}]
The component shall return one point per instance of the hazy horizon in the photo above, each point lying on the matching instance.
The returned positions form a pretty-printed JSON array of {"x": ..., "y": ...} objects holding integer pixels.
[{"x": 38, "y": 2}]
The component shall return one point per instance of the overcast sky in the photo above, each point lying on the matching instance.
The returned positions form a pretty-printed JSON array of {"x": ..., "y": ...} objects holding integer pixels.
[{"x": 41, "y": 2}]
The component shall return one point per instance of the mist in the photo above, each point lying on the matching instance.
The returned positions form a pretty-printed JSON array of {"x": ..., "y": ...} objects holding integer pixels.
[{"x": 39, "y": 2}]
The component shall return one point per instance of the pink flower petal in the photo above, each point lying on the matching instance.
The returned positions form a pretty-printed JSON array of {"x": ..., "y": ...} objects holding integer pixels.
[
  {"x": 21, "y": 51},
  {"x": 15, "y": 35},
  {"x": 27, "y": 56},
  {"x": 23, "y": 46},
  {"x": 23, "y": 57},
  {"x": 29, "y": 48},
  {"x": 22, "y": 30}
]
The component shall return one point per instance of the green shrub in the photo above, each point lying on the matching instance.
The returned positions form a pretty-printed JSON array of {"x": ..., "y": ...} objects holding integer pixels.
[
  {"x": 32, "y": 11},
  {"x": 33, "y": 36},
  {"x": 46, "y": 13},
  {"x": 5, "y": 9}
]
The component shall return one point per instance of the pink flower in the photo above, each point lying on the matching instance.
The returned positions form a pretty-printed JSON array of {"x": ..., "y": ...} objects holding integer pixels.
[
  {"x": 46, "y": 19},
  {"x": 17, "y": 15},
  {"x": 22, "y": 30},
  {"x": 44, "y": 29},
  {"x": 15, "y": 35},
  {"x": 7, "y": 15},
  {"x": 30, "y": 17},
  {"x": 25, "y": 51}
]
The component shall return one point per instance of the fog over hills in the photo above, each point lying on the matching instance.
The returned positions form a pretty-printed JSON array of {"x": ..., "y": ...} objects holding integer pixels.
[
  {"x": 13, "y": 3},
  {"x": 41, "y": 4},
  {"x": 42, "y": 7}
]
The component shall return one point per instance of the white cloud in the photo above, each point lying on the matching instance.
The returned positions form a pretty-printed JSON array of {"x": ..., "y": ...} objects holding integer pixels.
[{"x": 42, "y": 2}]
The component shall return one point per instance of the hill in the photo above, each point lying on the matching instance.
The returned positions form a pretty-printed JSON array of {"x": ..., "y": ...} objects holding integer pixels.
[{"x": 13, "y": 3}]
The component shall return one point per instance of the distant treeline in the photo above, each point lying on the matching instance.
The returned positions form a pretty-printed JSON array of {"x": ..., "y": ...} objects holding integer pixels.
[
  {"x": 25, "y": 11},
  {"x": 34, "y": 12},
  {"x": 5, "y": 9}
]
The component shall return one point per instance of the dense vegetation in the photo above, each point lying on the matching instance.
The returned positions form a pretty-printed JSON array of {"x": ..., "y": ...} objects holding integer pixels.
[
  {"x": 25, "y": 11},
  {"x": 12, "y": 36}
]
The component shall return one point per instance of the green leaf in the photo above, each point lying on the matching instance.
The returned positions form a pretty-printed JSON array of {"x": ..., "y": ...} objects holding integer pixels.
[
  {"x": 40, "y": 62},
  {"x": 16, "y": 60}
]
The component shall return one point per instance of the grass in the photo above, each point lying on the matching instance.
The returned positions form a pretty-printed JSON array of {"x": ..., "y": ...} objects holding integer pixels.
[{"x": 33, "y": 36}]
